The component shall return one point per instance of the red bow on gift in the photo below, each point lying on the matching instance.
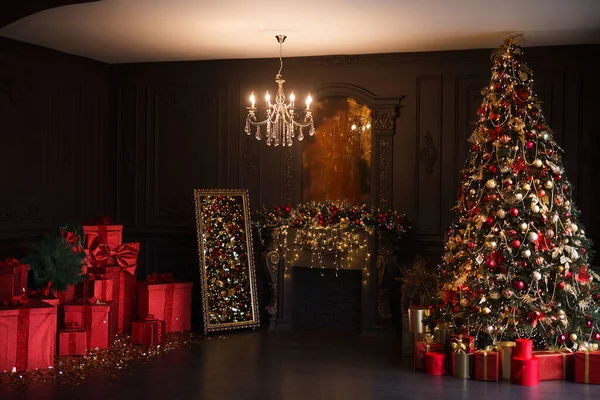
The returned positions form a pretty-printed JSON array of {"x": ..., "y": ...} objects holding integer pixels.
[
  {"x": 87, "y": 300},
  {"x": 45, "y": 292},
  {"x": 164, "y": 277},
  {"x": 125, "y": 254},
  {"x": 16, "y": 301},
  {"x": 10, "y": 262},
  {"x": 71, "y": 326},
  {"x": 100, "y": 221}
]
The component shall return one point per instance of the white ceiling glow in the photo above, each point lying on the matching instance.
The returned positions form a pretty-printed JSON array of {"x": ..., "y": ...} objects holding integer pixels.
[{"x": 119, "y": 31}]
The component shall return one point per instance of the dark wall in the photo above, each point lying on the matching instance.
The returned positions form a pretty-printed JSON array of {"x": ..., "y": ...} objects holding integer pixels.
[
  {"x": 57, "y": 147},
  {"x": 80, "y": 138},
  {"x": 181, "y": 127}
]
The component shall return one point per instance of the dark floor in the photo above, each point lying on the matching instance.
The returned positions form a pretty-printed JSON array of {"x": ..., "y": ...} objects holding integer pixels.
[{"x": 308, "y": 365}]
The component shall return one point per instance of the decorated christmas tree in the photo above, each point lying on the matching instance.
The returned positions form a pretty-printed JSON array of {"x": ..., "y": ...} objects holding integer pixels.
[{"x": 517, "y": 261}]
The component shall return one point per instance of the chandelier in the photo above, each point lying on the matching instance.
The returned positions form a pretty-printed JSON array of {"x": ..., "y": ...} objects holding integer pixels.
[{"x": 282, "y": 120}]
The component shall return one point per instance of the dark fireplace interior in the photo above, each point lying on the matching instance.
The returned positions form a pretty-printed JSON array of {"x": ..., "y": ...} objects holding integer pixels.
[{"x": 326, "y": 301}]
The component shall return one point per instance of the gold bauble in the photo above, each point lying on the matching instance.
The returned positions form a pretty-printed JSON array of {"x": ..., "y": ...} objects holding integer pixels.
[
  {"x": 573, "y": 337},
  {"x": 491, "y": 184},
  {"x": 486, "y": 310},
  {"x": 560, "y": 314},
  {"x": 549, "y": 184},
  {"x": 537, "y": 163},
  {"x": 526, "y": 186},
  {"x": 560, "y": 269}
]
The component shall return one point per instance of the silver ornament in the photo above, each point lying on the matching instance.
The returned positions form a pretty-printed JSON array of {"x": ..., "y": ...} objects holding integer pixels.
[
  {"x": 526, "y": 253},
  {"x": 491, "y": 184},
  {"x": 536, "y": 275},
  {"x": 532, "y": 237},
  {"x": 537, "y": 163}
]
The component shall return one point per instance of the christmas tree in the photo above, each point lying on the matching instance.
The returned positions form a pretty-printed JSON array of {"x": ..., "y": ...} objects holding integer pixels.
[{"x": 517, "y": 261}]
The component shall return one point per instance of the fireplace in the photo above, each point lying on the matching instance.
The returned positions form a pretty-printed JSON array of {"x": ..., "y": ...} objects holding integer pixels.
[
  {"x": 326, "y": 298},
  {"x": 295, "y": 280}
]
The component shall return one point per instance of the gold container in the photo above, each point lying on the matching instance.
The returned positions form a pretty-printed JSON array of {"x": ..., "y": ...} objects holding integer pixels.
[
  {"x": 415, "y": 319},
  {"x": 505, "y": 352},
  {"x": 463, "y": 364}
]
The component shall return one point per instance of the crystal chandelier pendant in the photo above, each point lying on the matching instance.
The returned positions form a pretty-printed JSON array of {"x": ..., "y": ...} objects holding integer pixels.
[{"x": 282, "y": 120}]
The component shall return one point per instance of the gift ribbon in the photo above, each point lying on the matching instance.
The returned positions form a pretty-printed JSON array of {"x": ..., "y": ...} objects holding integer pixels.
[
  {"x": 72, "y": 343},
  {"x": 169, "y": 305},
  {"x": 164, "y": 277},
  {"x": 125, "y": 255},
  {"x": 121, "y": 311},
  {"x": 586, "y": 376},
  {"x": 86, "y": 313},
  {"x": 459, "y": 346},
  {"x": 22, "y": 339}
]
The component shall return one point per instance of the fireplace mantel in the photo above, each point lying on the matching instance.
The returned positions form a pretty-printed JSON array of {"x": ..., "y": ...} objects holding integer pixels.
[{"x": 281, "y": 256}]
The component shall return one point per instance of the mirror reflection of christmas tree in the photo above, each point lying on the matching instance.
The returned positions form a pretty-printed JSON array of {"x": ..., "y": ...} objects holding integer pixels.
[{"x": 517, "y": 261}]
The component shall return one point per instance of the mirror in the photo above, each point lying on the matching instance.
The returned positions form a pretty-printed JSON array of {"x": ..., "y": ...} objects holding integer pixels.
[
  {"x": 227, "y": 272},
  {"x": 336, "y": 162}
]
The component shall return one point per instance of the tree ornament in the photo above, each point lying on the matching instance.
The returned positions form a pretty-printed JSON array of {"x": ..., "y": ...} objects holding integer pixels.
[
  {"x": 515, "y": 244},
  {"x": 518, "y": 284},
  {"x": 573, "y": 337},
  {"x": 501, "y": 213},
  {"x": 491, "y": 184},
  {"x": 532, "y": 236},
  {"x": 548, "y": 184},
  {"x": 494, "y": 294},
  {"x": 523, "y": 226},
  {"x": 519, "y": 196},
  {"x": 486, "y": 310},
  {"x": 464, "y": 302},
  {"x": 504, "y": 139},
  {"x": 536, "y": 275},
  {"x": 560, "y": 269},
  {"x": 539, "y": 261},
  {"x": 514, "y": 212},
  {"x": 490, "y": 263},
  {"x": 471, "y": 245},
  {"x": 535, "y": 208},
  {"x": 560, "y": 314},
  {"x": 472, "y": 191},
  {"x": 526, "y": 253},
  {"x": 574, "y": 228},
  {"x": 489, "y": 221},
  {"x": 526, "y": 187},
  {"x": 588, "y": 323},
  {"x": 529, "y": 144},
  {"x": 491, "y": 244},
  {"x": 549, "y": 233},
  {"x": 561, "y": 338},
  {"x": 597, "y": 336},
  {"x": 537, "y": 163},
  {"x": 507, "y": 293}
]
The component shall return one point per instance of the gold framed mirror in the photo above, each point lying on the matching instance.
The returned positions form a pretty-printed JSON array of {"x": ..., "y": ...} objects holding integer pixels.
[{"x": 227, "y": 271}]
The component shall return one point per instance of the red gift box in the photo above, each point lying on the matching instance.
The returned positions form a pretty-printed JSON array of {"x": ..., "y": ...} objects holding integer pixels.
[
  {"x": 95, "y": 319},
  {"x": 523, "y": 348},
  {"x": 487, "y": 365},
  {"x": 111, "y": 235},
  {"x": 587, "y": 367},
  {"x": 468, "y": 341},
  {"x": 124, "y": 255},
  {"x": 97, "y": 286},
  {"x": 65, "y": 296},
  {"x": 525, "y": 371},
  {"x": 555, "y": 365},
  {"x": 13, "y": 278},
  {"x": 123, "y": 295},
  {"x": 421, "y": 350},
  {"x": 169, "y": 302},
  {"x": 148, "y": 332},
  {"x": 434, "y": 363},
  {"x": 72, "y": 341},
  {"x": 28, "y": 336}
]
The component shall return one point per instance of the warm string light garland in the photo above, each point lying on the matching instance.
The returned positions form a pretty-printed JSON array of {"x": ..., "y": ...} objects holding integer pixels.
[{"x": 517, "y": 259}]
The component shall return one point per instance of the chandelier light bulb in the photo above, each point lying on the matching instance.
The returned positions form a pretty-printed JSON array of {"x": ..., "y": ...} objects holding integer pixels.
[{"x": 282, "y": 121}]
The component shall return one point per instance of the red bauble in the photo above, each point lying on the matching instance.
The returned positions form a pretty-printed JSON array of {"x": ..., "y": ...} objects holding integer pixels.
[
  {"x": 489, "y": 221},
  {"x": 466, "y": 176},
  {"x": 514, "y": 212},
  {"x": 597, "y": 336},
  {"x": 568, "y": 275},
  {"x": 596, "y": 296},
  {"x": 561, "y": 284},
  {"x": 511, "y": 232},
  {"x": 557, "y": 177},
  {"x": 493, "y": 169},
  {"x": 541, "y": 193},
  {"x": 561, "y": 338},
  {"x": 485, "y": 198},
  {"x": 490, "y": 263},
  {"x": 492, "y": 197},
  {"x": 518, "y": 284},
  {"x": 529, "y": 144},
  {"x": 471, "y": 245},
  {"x": 515, "y": 244},
  {"x": 475, "y": 148},
  {"x": 486, "y": 156},
  {"x": 568, "y": 214},
  {"x": 588, "y": 323}
]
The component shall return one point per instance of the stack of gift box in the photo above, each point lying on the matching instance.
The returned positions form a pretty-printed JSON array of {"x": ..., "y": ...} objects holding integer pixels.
[
  {"x": 445, "y": 353},
  {"x": 37, "y": 327}
]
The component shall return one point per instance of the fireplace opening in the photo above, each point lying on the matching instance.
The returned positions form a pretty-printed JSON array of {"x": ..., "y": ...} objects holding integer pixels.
[{"x": 323, "y": 300}]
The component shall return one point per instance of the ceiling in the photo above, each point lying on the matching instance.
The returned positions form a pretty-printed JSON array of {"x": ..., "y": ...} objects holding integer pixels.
[{"x": 121, "y": 31}]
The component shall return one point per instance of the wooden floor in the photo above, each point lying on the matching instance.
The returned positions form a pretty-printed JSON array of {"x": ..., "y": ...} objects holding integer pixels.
[{"x": 306, "y": 365}]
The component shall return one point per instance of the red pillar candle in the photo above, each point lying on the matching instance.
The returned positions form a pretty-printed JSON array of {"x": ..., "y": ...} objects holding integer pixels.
[
  {"x": 434, "y": 363},
  {"x": 523, "y": 349},
  {"x": 525, "y": 371}
]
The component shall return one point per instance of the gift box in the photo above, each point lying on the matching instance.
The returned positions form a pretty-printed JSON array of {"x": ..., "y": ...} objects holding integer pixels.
[
  {"x": 108, "y": 234},
  {"x": 169, "y": 302},
  {"x": 102, "y": 255},
  {"x": 464, "y": 342},
  {"x": 65, "y": 296},
  {"x": 423, "y": 347},
  {"x": 441, "y": 334},
  {"x": 434, "y": 363},
  {"x": 462, "y": 365},
  {"x": 505, "y": 353},
  {"x": 72, "y": 341},
  {"x": 487, "y": 365},
  {"x": 523, "y": 348},
  {"x": 525, "y": 371},
  {"x": 123, "y": 295},
  {"x": 97, "y": 286},
  {"x": 556, "y": 365},
  {"x": 587, "y": 367},
  {"x": 147, "y": 332},
  {"x": 13, "y": 278},
  {"x": 95, "y": 318},
  {"x": 416, "y": 315},
  {"x": 28, "y": 336}
]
